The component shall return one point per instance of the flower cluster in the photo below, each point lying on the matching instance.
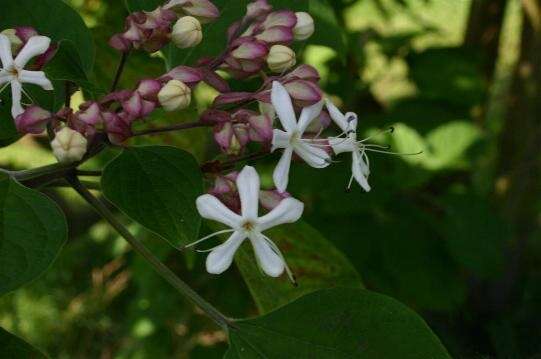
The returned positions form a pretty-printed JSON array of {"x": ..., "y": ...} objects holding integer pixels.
[
  {"x": 287, "y": 114},
  {"x": 177, "y": 20}
]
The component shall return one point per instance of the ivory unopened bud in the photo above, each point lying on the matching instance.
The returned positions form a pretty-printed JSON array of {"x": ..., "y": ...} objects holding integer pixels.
[
  {"x": 175, "y": 95},
  {"x": 305, "y": 26},
  {"x": 281, "y": 58},
  {"x": 187, "y": 32},
  {"x": 69, "y": 145}
]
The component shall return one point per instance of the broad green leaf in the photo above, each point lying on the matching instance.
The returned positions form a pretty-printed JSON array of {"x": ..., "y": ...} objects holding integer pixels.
[
  {"x": 32, "y": 232},
  {"x": 157, "y": 186},
  {"x": 14, "y": 347},
  {"x": 316, "y": 263},
  {"x": 475, "y": 235},
  {"x": 337, "y": 323},
  {"x": 8, "y": 132},
  {"x": 448, "y": 144}
]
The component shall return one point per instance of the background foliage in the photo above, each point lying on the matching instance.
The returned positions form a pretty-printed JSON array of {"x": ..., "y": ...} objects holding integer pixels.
[{"x": 452, "y": 233}]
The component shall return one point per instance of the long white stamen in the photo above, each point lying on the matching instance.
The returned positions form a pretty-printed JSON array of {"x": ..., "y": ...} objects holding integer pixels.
[
  {"x": 389, "y": 130},
  {"x": 276, "y": 250},
  {"x": 27, "y": 95},
  {"x": 350, "y": 182},
  {"x": 4, "y": 87},
  {"x": 208, "y": 237},
  {"x": 395, "y": 153}
]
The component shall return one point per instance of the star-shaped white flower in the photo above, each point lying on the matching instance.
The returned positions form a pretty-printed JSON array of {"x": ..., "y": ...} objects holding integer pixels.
[
  {"x": 348, "y": 123},
  {"x": 247, "y": 225},
  {"x": 291, "y": 139},
  {"x": 13, "y": 72}
]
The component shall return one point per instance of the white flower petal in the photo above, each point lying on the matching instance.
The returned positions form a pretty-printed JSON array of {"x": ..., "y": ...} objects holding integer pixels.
[
  {"x": 283, "y": 106},
  {"x": 280, "y": 139},
  {"x": 341, "y": 145},
  {"x": 336, "y": 115},
  {"x": 222, "y": 256},
  {"x": 36, "y": 78},
  {"x": 289, "y": 210},
  {"x": 35, "y": 46},
  {"x": 16, "y": 91},
  {"x": 312, "y": 155},
  {"x": 210, "y": 207},
  {"x": 248, "y": 186},
  {"x": 5, "y": 51},
  {"x": 308, "y": 114},
  {"x": 357, "y": 169},
  {"x": 268, "y": 260},
  {"x": 281, "y": 172}
]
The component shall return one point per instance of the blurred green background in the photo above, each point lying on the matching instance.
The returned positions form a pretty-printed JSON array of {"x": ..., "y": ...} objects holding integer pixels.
[{"x": 454, "y": 233}]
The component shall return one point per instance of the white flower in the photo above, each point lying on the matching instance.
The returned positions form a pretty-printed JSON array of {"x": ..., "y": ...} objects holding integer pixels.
[
  {"x": 248, "y": 225},
  {"x": 348, "y": 123},
  {"x": 13, "y": 73},
  {"x": 291, "y": 139}
]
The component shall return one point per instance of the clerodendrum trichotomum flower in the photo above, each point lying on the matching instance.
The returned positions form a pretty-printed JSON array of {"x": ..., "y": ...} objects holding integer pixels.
[
  {"x": 291, "y": 139},
  {"x": 248, "y": 225},
  {"x": 13, "y": 73}
]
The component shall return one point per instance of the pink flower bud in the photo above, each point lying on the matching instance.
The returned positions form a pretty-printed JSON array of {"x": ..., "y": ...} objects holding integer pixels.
[
  {"x": 44, "y": 58},
  {"x": 225, "y": 189},
  {"x": 257, "y": 9},
  {"x": 118, "y": 129},
  {"x": 185, "y": 74},
  {"x": 120, "y": 43},
  {"x": 270, "y": 199},
  {"x": 223, "y": 134},
  {"x": 276, "y": 35},
  {"x": 261, "y": 128},
  {"x": 280, "y": 18},
  {"x": 215, "y": 116},
  {"x": 204, "y": 10},
  {"x": 250, "y": 50},
  {"x": 304, "y": 72},
  {"x": 33, "y": 120},
  {"x": 232, "y": 98},
  {"x": 304, "y": 93},
  {"x": 149, "y": 89},
  {"x": 90, "y": 113},
  {"x": 25, "y": 33},
  {"x": 133, "y": 106}
]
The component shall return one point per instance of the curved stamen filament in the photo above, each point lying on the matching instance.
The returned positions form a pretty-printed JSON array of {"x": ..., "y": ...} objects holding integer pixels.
[
  {"x": 394, "y": 153},
  {"x": 380, "y": 132},
  {"x": 208, "y": 237}
]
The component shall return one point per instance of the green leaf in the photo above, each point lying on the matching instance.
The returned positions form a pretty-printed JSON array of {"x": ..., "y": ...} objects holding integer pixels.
[
  {"x": 8, "y": 132},
  {"x": 16, "y": 348},
  {"x": 337, "y": 323},
  {"x": 32, "y": 232},
  {"x": 139, "y": 5},
  {"x": 475, "y": 235},
  {"x": 157, "y": 186},
  {"x": 316, "y": 263}
]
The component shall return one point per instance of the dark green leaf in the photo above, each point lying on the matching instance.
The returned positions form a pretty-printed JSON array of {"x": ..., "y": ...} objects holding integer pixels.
[
  {"x": 32, "y": 232},
  {"x": 337, "y": 323},
  {"x": 328, "y": 32},
  {"x": 157, "y": 186},
  {"x": 13, "y": 347},
  {"x": 316, "y": 263}
]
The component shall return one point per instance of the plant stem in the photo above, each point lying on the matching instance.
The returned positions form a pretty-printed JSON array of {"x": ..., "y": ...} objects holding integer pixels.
[
  {"x": 119, "y": 70},
  {"x": 88, "y": 173},
  {"x": 158, "y": 266},
  {"x": 177, "y": 127}
]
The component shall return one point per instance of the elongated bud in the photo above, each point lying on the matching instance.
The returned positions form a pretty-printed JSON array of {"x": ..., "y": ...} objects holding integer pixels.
[
  {"x": 187, "y": 32},
  {"x": 258, "y": 8},
  {"x": 90, "y": 113},
  {"x": 149, "y": 89},
  {"x": 261, "y": 128},
  {"x": 280, "y": 18},
  {"x": 16, "y": 42},
  {"x": 270, "y": 199},
  {"x": 276, "y": 35},
  {"x": 204, "y": 10},
  {"x": 118, "y": 130},
  {"x": 175, "y": 95},
  {"x": 304, "y": 93},
  {"x": 305, "y": 26},
  {"x": 251, "y": 50},
  {"x": 188, "y": 75},
  {"x": 304, "y": 72},
  {"x": 69, "y": 145},
  {"x": 33, "y": 120},
  {"x": 281, "y": 58}
]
